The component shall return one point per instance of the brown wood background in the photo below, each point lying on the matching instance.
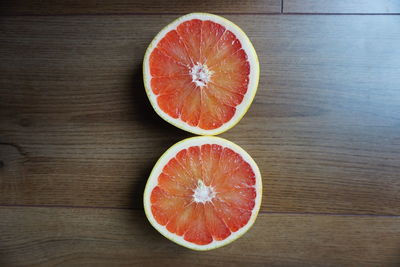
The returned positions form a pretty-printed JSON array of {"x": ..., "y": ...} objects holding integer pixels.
[{"x": 78, "y": 137}]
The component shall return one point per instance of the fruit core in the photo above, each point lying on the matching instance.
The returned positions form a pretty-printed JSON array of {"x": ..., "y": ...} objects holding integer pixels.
[
  {"x": 201, "y": 75},
  {"x": 203, "y": 193}
]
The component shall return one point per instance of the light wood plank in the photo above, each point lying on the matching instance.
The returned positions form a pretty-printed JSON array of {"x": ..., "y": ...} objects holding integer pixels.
[
  {"x": 57, "y": 7},
  {"x": 53, "y": 236},
  {"x": 341, "y": 6},
  {"x": 76, "y": 127}
]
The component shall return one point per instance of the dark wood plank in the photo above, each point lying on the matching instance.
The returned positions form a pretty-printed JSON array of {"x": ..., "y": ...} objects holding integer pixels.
[
  {"x": 77, "y": 129},
  {"x": 57, "y": 7},
  {"x": 341, "y": 6},
  {"x": 52, "y": 236}
]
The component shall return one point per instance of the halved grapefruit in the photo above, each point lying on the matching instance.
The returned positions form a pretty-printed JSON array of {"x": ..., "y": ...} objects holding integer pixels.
[
  {"x": 201, "y": 73},
  {"x": 203, "y": 193}
]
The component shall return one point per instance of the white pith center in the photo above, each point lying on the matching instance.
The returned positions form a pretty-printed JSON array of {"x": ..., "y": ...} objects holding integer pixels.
[
  {"x": 201, "y": 75},
  {"x": 203, "y": 193}
]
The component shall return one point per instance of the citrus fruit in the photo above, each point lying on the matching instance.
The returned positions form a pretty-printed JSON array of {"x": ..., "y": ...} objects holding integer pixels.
[
  {"x": 203, "y": 193},
  {"x": 201, "y": 73}
]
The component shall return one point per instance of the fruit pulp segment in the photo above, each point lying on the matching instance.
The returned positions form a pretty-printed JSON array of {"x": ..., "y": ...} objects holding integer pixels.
[
  {"x": 229, "y": 179},
  {"x": 200, "y": 73}
]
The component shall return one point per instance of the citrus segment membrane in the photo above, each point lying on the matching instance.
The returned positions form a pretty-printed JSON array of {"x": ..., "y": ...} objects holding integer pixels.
[
  {"x": 204, "y": 193},
  {"x": 201, "y": 73},
  {"x": 180, "y": 52}
]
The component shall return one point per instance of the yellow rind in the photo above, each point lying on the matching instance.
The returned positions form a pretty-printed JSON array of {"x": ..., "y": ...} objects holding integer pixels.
[
  {"x": 249, "y": 225},
  {"x": 184, "y": 126}
]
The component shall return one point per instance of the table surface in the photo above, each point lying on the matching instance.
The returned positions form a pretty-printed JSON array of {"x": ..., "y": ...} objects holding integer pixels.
[{"x": 78, "y": 137}]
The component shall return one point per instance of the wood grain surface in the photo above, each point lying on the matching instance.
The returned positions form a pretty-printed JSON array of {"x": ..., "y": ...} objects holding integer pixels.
[
  {"x": 77, "y": 128},
  {"x": 342, "y": 6},
  {"x": 78, "y": 139},
  {"x": 52, "y": 7},
  {"x": 53, "y": 237}
]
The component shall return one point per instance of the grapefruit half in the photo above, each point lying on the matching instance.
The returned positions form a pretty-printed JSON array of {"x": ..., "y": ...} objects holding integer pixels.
[
  {"x": 203, "y": 193},
  {"x": 201, "y": 73}
]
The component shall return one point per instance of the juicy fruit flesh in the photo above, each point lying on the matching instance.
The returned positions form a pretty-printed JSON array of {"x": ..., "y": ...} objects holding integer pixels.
[
  {"x": 204, "y": 194},
  {"x": 200, "y": 73}
]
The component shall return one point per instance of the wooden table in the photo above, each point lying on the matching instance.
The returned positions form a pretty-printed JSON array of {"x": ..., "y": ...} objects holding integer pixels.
[{"x": 78, "y": 136}]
